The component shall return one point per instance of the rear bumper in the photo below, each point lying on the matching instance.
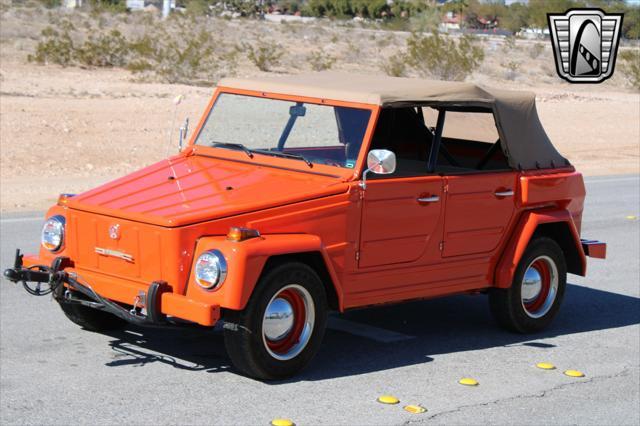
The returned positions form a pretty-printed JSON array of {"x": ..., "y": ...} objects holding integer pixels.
[
  {"x": 112, "y": 289},
  {"x": 594, "y": 248}
]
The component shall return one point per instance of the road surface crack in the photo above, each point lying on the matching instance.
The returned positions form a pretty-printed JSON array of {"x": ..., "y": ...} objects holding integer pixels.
[{"x": 540, "y": 394}]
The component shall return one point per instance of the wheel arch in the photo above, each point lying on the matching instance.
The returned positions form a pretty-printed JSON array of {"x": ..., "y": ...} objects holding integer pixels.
[
  {"x": 314, "y": 260},
  {"x": 247, "y": 261},
  {"x": 555, "y": 224}
]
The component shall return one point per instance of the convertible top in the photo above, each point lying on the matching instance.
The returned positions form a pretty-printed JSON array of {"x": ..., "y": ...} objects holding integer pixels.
[{"x": 523, "y": 139}]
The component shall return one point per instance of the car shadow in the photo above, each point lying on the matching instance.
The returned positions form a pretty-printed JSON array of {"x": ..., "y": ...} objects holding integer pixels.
[{"x": 438, "y": 326}]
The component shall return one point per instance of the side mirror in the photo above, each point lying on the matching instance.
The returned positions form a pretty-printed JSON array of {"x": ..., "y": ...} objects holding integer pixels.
[
  {"x": 380, "y": 162},
  {"x": 184, "y": 129}
]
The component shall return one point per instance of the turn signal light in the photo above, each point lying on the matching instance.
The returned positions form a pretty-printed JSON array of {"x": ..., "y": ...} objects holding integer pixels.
[
  {"x": 63, "y": 198},
  {"x": 238, "y": 234}
]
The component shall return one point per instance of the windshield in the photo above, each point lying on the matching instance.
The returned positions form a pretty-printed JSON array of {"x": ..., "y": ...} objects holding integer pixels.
[{"x": 321, "y": 134}]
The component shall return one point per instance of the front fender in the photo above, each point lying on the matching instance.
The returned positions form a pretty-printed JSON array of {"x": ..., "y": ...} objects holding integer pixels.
[
  {"x": 524, "y": 231},
  {"x": 245, "y": 263}
]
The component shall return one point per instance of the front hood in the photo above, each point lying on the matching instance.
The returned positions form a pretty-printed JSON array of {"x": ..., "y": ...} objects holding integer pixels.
[{"x": 189, "y": 189}]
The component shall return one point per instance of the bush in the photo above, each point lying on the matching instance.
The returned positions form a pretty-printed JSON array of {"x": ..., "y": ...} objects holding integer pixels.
[
  {"x": 512, "y": 69},
  {"x": 55, "y": 47},
  {"x": 395, "y": 65},
  {"x": 320, "y": 60},
  {"x": 630, "y": 66},
  {"x": 536, "y": 50},
  {"x": 509, "y": 44},
  {"x": 105, "y": 50},
  {"x": 442, "y": 57},
  {"x": 264, "y": 55},
  {"x": 178, "y": 52}
]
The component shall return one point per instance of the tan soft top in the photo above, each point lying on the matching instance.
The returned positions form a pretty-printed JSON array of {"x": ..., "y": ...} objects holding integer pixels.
[{"x": 522, "y": 136}]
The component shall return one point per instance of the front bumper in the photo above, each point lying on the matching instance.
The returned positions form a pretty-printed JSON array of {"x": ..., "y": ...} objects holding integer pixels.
[{"x": 151, "y": 306}]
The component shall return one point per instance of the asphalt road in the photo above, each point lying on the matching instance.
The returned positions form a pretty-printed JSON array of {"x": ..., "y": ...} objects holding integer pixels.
[{"x": 53, "y": 372}]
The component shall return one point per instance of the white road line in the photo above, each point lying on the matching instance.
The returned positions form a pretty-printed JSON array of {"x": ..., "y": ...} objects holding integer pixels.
[
  {"x": 21, "y": 219},
  {"x": 367, "y": 331}
]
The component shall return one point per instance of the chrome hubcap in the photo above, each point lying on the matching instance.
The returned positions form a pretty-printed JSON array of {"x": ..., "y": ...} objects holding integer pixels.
[
  {"x": 278, "y": 319},
  {"x": 531, "y": 285},
  {"x": 288, "y": 322},
  {"x": 539, "y": 287}
]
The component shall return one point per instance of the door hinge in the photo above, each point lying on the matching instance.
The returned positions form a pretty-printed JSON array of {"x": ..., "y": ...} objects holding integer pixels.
[
  {"x": 357, "y": 256},
  {"x": 446, "y": 188},
  {"x": 441, "y": 245}
]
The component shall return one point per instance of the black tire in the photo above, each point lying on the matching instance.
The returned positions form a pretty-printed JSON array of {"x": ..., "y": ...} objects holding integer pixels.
[
  {"x": 508, "y": 306},
  {"x": 243, "y": 332},
  {"x": 91, "y": 319}
]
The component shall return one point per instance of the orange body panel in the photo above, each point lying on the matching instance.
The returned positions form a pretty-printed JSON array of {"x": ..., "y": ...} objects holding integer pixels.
[
  {"x": 522, "y": 235},
  {"x": 379, "y": 245},
  {"x": 246, "y": 260}
]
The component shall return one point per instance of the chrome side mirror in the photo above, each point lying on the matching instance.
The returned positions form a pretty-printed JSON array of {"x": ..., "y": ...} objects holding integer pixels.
[
  {"x": 184, "y": 129},
  {"x": 380, "y": 162}
]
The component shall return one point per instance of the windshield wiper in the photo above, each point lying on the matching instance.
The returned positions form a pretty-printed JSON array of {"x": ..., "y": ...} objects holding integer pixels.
[
  {"x": 233, "y": 146},
  {"x": 284, "y": 154}
]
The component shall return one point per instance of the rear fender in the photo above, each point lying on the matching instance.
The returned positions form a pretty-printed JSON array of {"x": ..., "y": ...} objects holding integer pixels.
[
  {"x": 534, "y": 223},
  {"x": 246, "y": 261}
]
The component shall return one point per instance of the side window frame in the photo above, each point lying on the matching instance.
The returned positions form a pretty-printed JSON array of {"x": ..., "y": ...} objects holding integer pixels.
[
  {"x": 389, "y": 133},
  {"x": 437, "y": 147}
]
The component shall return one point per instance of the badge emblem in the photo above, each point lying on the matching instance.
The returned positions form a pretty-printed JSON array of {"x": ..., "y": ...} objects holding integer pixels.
[
  {"x": 585, "y": 44},
  {"x": 114, "y": 231}
]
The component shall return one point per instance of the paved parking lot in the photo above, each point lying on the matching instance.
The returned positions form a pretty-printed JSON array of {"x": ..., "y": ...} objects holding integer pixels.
[{"x": 52, "y": 372}]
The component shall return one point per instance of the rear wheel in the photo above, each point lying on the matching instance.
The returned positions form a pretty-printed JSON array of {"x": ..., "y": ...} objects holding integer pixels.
[
  {"x": 91, "y": 319},
  {"x": 281, "y": 328},
  {"x": 535, "y": 295}
]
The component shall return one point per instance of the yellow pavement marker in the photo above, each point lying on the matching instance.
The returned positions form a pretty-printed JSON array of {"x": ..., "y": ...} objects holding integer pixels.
[
  {"x": 574, "y": 373},
  {"x": 388, "y": 399},
  {"x": 415, "y": 409},
  {"x": 467, "y": 381},
  {"x": 546, "y": 366},
  {"x": 631, "y": 217},
  {"x": 282, "y": 422}
]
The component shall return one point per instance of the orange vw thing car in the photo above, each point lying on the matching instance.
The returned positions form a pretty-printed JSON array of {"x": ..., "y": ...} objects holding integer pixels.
[{"x": 299, "y": 195}]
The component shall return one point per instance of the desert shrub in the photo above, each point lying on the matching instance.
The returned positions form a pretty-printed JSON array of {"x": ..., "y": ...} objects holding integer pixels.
[
  {"x": 536, "y": 50},
  {"x": 630, "y": 66},
  {"x": 442, "y": 57},
  {"x": 425, "y": 21},
  {"x": 512, "y": 68},
  {"x": 264, "y": 55},
  {"x": 184, "y": 58},
  {"x": 197, "y": 7},
  {"x": 54, "y": 47},
  {"x": 108, "y": 6},
  {"x": 182, "y": 53},
  {"x": 104, "y": 50},
  {"x": 395, "y": 65},
  {"x": 509, "y": 44},
  {"x": 319, "y": 60},
  {"x": 50, "y": 4}
]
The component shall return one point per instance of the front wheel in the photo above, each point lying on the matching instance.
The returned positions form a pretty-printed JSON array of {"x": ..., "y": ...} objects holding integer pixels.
[
  {"x": 281, "y": 328},
  {"x": 535, "y": 295}
]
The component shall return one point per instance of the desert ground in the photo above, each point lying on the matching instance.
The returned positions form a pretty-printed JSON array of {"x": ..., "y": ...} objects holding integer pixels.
[{"x": 65, "y": 130}]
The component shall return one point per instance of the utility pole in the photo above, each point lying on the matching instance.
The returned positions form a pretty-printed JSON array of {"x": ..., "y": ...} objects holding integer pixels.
[{"x": 166, "y": 8}]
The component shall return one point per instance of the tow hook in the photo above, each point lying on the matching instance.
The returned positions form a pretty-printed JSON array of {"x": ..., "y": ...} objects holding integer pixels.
[
  {"x": 138, "y": 304},
  {"x": 40, "y": 280}
]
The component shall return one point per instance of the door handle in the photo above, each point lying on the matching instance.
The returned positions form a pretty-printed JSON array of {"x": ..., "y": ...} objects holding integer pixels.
[
  {"x": 506, "y": 193},
  {"x": 432, "y": 199}
]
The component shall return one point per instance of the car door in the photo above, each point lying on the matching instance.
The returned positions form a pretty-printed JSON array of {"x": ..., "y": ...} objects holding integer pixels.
[
  {"x": 400, "y": 221},
  {"x": 478, "y": 210}
]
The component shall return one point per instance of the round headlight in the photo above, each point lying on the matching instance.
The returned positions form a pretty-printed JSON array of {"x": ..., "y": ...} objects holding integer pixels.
[
  {"x": 53, "y": 233},
  {"x": 211, "y": 269}
]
